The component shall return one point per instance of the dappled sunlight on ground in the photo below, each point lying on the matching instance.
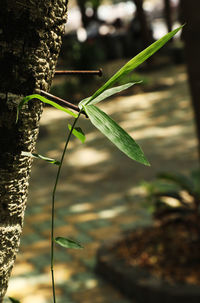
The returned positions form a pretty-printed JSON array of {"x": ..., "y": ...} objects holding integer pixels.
[
  {"x": 88, "y": 156},
  {"x": 99, "y": 194}
]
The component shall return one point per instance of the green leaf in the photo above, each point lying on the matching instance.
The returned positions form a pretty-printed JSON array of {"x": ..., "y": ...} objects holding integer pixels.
[
  {"x": 107, "y": 93},
  {"x": 133, "y": 63},
  {"x": 13, "y": 300},
  {"x": 115, "y": 134},
  {"x": 68, "y": 243},
  {"x": 34, "y": 155},
  {"x": 43, "y": 99},
  {"x": 78, "y": 133}
]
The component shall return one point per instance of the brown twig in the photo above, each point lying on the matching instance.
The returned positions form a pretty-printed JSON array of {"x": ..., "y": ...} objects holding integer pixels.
[
  {"x": 78, "y": 72},
  {"x": 57, "y": 100}
]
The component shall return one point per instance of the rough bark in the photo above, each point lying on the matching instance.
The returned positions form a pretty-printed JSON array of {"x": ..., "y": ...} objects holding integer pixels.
[
  {"x": 189, "y": 13},
  {"x": 30, "y": 40}
]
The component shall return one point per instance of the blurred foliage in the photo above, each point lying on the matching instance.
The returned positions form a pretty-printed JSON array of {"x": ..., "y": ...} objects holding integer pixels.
[
  {"x": 84, "y": 55},
  {"x": 77, "y": 87},
  {"x": 174, "y": 197}
]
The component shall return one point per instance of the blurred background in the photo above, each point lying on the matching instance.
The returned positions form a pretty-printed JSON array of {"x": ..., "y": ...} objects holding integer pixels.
[{"x": 101, "y": 193}]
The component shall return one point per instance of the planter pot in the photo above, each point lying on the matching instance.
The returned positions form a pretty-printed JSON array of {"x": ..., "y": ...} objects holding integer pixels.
[{"x": 137, "y": 283}]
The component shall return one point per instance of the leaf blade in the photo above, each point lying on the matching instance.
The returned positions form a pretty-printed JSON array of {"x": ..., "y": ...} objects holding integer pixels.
[
  {"x": 78, "y": 133},
  {"x": 115, "y": 134},
  {"x": 108, "y": 93},
  {"x": 134, "y": 62},
  {"x": 44, "y": 100},
  {"x": 68, "y": 243},
  {"x": 37, "y": 156}
]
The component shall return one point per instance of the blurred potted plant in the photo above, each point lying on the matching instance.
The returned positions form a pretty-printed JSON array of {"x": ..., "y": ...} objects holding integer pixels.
[
  {"x": 176, "y": 199},
  {"x": 161, "y": 261}
]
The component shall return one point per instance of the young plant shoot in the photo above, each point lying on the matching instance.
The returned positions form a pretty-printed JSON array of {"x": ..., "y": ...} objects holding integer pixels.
[{"x": 101, "y": 121}]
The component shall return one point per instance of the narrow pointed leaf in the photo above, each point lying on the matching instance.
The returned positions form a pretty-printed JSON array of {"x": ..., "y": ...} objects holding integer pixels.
[
  {"x": 109, "y": 92},
  {"x": 13, "y": 300},
  {"x": 43, "y": 99},
  {"x": 37, "y": 156},
  {"x": 78, "y": 133},
  {"x": 134, "y": 62},
  {"x": 115, "y": 134},
  {"x": 68, "y": 243}
]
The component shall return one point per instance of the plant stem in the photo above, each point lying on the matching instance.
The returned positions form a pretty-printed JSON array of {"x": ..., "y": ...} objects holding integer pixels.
[{"x": 53, "y": 206}]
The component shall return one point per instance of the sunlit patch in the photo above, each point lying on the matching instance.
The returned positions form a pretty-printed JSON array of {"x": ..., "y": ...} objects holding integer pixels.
[
  {"x": 81, "y": 34},
  {"x": 136, "y": 190},
  {"x": 62, "y": 272},
  {"x": 91, "y": 283},
  {"x": 22, "y": 268},
  {"x": 105, "y": 29},
  {"x": 109, "y": 13},
  {"x": 78, "y": 208},
  {"x": 35, "y": 298},
  {"x": 26, "y": 284},
  {"x": 93, "y": 136},
  {"x": 158, "y": 132},
  {"x": 88, "y": 156},
  {"x": 168, "y": 81},
  {"x": 186, "y": 196},
  {"x": 82, "y": 217},
  {"x": 50, "y": 114},
  {"x": 171, "y": 201},
  {"x": 111, "y": 213},
  {"x": 89, "y": 11}
]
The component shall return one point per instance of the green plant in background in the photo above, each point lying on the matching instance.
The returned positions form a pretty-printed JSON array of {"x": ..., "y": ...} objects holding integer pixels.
[
  {"x": 79, "y": 53},
  {"x": 101, "y": 121},
  {"x": 176, "y": 199}
]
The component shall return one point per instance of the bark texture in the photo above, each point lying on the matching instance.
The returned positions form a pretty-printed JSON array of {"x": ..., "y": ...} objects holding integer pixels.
[
  {"x": 189, "y": 13},
  {"x": 30, "y": 40}
]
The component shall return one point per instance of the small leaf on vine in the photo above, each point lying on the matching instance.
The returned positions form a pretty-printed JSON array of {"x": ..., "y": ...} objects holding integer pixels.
[
  {"x": 67, "y": 243},
  {"x": 78, "y": 133},
  {"x": 37, "y": 156}
]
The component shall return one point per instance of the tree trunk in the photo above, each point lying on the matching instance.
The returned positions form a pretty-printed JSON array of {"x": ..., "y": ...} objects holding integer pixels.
[
  {"x": 189, "y": 13},
  {"x": 30, "y": 40},
  {"x": 84, "y": 18},
  {"x": 168, "y": 15},
  {"x": 145, "y": 30}
]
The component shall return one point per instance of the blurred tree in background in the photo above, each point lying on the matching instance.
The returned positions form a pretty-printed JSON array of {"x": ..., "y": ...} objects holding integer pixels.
[
  {"x": 189, "y": 13},
  {"x": 168, "y": 15},
  {"x": 93, "y": 6},
  {"x": 144, "y": 26}
]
